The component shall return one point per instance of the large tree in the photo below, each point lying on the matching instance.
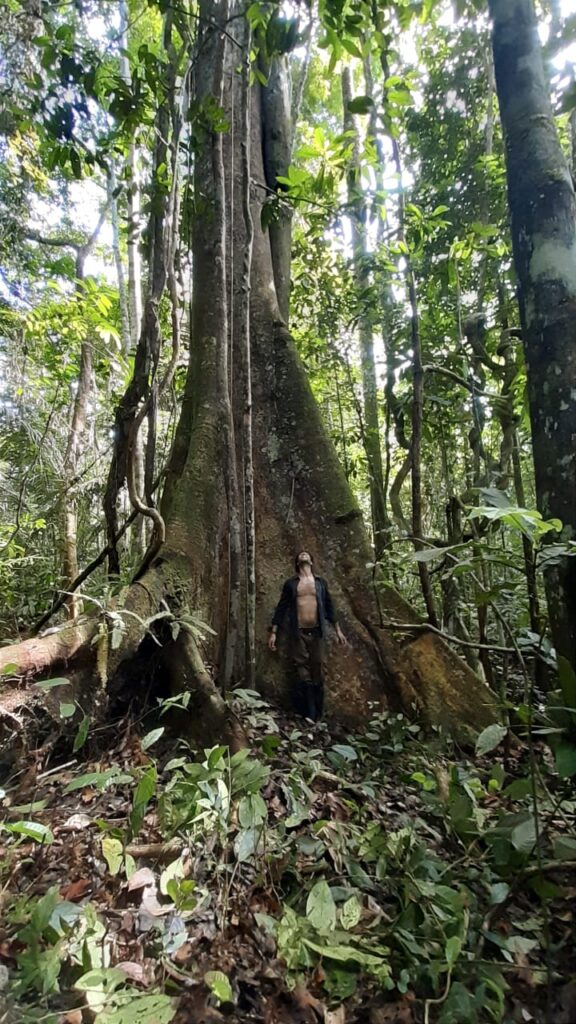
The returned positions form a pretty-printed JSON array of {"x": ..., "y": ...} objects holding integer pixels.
[
  {"x": 543, "y": 220},
  {"x": 302, "y": 498}
]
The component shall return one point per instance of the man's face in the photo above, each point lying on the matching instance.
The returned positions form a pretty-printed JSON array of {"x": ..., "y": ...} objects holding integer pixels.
[{"x": 304, "y": 558}]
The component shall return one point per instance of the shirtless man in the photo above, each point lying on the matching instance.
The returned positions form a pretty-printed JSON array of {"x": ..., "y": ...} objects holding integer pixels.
[{"x": 306, "y": 604}]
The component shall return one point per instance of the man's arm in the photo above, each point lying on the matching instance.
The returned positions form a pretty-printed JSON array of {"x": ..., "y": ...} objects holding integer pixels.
[
  {"x": 278, "y": 617},
  {"x": 331, "y": 615}
]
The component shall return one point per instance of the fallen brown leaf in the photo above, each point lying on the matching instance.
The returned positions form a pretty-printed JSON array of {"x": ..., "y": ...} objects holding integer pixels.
[
  {"x": 303, "y": 998},
  {"x": 141, "y": 878},
  {"x": 76, "y": 821},
  {"x": 76, "y": 890},
  {"x": 132, "y": 970}
]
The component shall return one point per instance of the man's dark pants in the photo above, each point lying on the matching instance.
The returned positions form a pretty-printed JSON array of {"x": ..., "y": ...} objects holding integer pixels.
[{"x": 307, "y": 654}]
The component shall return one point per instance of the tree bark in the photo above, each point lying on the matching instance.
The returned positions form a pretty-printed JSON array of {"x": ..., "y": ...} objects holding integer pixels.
[
  {"x": 358, "y": 215},
  {"x": 277, "y": 136},
  {"x": 67, "y": 504},
  {"x": 132, "y": 199},
  {"x": 543, "y": 221},
  {"x": 246, "y": 370},
  {"x": 120, "y": 275}
]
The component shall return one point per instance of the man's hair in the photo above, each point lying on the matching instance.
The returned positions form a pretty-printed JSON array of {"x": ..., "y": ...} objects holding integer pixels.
[{"x": 296, "y": 566}]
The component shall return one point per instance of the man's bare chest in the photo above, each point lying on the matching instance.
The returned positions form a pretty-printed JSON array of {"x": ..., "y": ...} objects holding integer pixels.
[{"x": 306, "y": 587}]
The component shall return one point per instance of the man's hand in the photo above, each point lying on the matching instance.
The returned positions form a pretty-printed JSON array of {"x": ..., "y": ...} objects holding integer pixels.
[
  {"x": 340, "y": 637},
  {"x": 272, "y": 641}
]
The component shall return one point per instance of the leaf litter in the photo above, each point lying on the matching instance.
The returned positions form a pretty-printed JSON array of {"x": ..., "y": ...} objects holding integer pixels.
[{"x": 383, "y": 878}]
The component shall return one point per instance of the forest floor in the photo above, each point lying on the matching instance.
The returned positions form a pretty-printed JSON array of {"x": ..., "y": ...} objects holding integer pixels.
[{"x": 379, "y": 878}]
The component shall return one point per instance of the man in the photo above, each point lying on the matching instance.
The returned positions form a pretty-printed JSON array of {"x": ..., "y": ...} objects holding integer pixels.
[{"x": 306, "y": 605}]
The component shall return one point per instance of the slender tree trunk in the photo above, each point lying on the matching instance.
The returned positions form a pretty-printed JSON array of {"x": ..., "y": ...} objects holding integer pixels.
[
  {"x": 527, "y": 547},
  {"x": 417, "y": 372},
  {"x": 395, "y": 502},
  {"x": 68, "y": 510},
  {"x": 277, "y": 151},
  {"x": 225, "y": 190},
  {"x": 358, "y": 219},
  {"x": 246, "y": 367},
  {"x": 67, "y": 505},
  {"x": 141, "y": 394},
  {"x": 543, "y": 220},
  {"x": 120, "y": 276},
  {"x": 132, "y": 198},
  {"x": 135, "y": 280}
]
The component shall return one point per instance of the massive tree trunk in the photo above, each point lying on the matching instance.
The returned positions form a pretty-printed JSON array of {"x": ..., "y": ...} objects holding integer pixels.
[
  {"x": 302, "y": 498},
  {"x": 543, "y": 217}
]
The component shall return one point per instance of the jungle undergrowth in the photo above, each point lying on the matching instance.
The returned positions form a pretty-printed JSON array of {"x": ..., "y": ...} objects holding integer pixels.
[{"x": 380, "y": 876}]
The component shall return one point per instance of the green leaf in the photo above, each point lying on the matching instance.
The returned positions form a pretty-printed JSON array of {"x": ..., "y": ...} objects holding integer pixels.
[
  {"x": 101, "y": 978},
  {"x": 215, "y": 755},
  {"x": 98, "y": 779},
  {"x": 452, "y": 950},
  {"x": 220, "y": 986},
  {"x": 320, "y": 907},
  {"x": 523, "y": 836},
  {"x": 344, "y": 953},
  {"x": 498, "y": 893},
  {"x": 50, "y": 684},
  {"x": 520, "y": 944},
  {"x": 9, "y": 670},
  {"x": 350, "y": 913},
  {"x": 76, "y": 163},
  {"x": 31, "y": 830},
  {"x": 246, "y": 843},
  {"x": 519, "y": 789},
  {"x": 351, "y": 48},
  {"x": 82, "y": 734},
  {"x": 174, "y": 871},
  {"x": 131, "y": 1008},
  {"x": 252, "y": 810},
  {"x": 565, "y": 757},
  {"x": 360, "y": 104},
  {"x": 67, "y": 710},
  {"x": 565, "y": 848},
  {"x": 489, "y": 738},
  {"x": 493, "y": 496},
  {"x": 33, "y": 808},
  {"x": 113, "y": 853},
  {"x": 345, "y": 752},
  {"x": 142, "y": 796},
  {"x": 270, "y": 745},
  {"x": 151, "y": 737}
]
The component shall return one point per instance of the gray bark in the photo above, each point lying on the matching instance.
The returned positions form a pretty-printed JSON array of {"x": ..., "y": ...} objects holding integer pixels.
[
  {"x": 132, "y": 201},
  {"x": 120, "y": 275},
  {"x": 246, "y": 368},
  {"x": 277, "y": 133},
  {"x": 358, "y": 215},
  {"x": 543, "y": 221}
]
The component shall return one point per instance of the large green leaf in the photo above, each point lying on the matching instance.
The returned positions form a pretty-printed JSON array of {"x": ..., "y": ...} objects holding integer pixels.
[
  {"x": 490, "y": 738},
  {"x": 523, "y": 836},
  {"x": 220, "y": 986},
  {"x": 320, "y": 907}
]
